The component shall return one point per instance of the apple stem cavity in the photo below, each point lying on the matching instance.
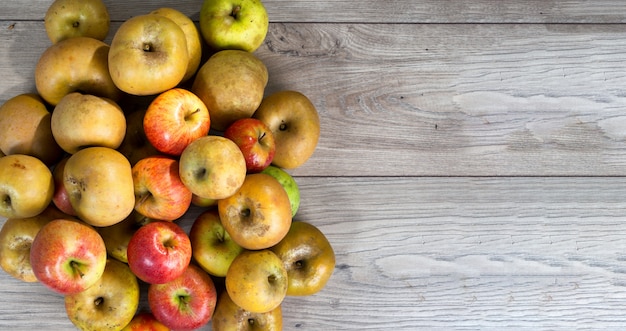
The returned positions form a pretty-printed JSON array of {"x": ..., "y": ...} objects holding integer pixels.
[
  {"x": 283, "y": 126},
  {"x": 98, "y": 301},
  {"x": 147, "y": 47},
  {"x": 76, "y": 267},
  {"x": 235, "y": 11},
  {"x": 76, "y": 24}
]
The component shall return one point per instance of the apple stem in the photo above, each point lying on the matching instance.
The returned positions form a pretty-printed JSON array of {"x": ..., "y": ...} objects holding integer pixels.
[
  {"x": 75, "y": 266},
  {"x": 235, "y": 11},
  {"x": 98, "y": 301},
  {"x": 75, "y": 24}
]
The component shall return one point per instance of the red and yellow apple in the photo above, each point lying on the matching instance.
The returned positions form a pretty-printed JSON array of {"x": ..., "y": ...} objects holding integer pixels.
[{"x": 255, "y": 140}]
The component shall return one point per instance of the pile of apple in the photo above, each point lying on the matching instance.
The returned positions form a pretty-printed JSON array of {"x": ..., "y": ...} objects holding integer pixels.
[{"x": 120, "y": 140}]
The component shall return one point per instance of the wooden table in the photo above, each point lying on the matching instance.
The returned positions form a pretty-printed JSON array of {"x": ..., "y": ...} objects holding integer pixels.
[{"x": 471, "y": 173}]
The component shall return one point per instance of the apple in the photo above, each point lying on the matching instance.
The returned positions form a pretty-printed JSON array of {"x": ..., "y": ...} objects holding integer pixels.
[
  {"x": 26, "y": 186},
  {"x": 25, "y": 128},
  {"x": 61, "y": 197},
  {"x": 255, "y": 140},
  {"x": 109, "y": 304},
  {"x": 100, "y": 184},
  {"x": 84, "y": 120},
  {"x": 148, "y": 55},
  {"x": 16, "y": 238},
  {"x": 212, "y": 247},
  {"x": 295, "y": 123},
  {"x": 192, "y": 36},
  {"x": 258, "y": 215},
  {"x": 135, "y": 145},
  {"x": 159, "y": 252},
  {"x": 145, "y": 321},
  {"x": 174, "y": 119},
  {"x": 289, "y": 184},
  {"x": 184, "y": 303},
  {"x": 159, "y": 192},
  {"x": 76, "y": 18},
  {"x": 228, "y": 24},
  {"x": 212, "y": 167},
  {"x": 257, "y": 281},
  {"x": 75, "y": 64},
  {"x": 308, "y": 258},
  {"x": 231, "y": 83},
  {"x": 68, "y": 256},
  {"x": 229, "y": 316},
  {"x": 117, "y": 236},
  {"x": 199, "y": 201}
]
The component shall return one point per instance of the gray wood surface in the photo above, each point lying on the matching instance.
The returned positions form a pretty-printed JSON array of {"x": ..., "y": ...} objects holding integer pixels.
[{"x": 471, "y": 171}]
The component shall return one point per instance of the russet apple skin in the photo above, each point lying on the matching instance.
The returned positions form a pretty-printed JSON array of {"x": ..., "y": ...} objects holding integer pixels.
[
  {"x": 295, "y": 123},
  {"x": 230, "y": 317},
  {"x": 231, "y": 83},
  {"x": 68, "y": 256},
  {"x": 100, "y": 184},
  {"x": 257, "y": 281},
  {"x": 148, "y": 55},
  {"x": 25, "y": 128},
  {"x": 174, "y": 119},
  {"x": 109, "y": 304},
  {"x": 16, "y": 238},
  {"x": 77, "y": 18},
  {"x": 145, "y": 321},
  {"x": 26, "y": 186},
  {"x": 212, "y": 167},
  {"x": 258, "y": 215},
  {"x": 255, "y": 140},
  {"x": 75, "y": 64},
  {"x": 212, "y": 247},
  {"x": 159, "y": 252},
  {"x": 240, "y": 24},
  {"x": 159, "y": 192},
  {"x": 308, "y": 258},
  {"x": 185, "y": 303}
]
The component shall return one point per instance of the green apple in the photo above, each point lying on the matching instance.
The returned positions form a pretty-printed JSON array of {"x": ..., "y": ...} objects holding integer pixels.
[
  {"x": 77, "y": 18},
  {"x": 288, "y": 183},
  {"x": 234, "y": 24}
]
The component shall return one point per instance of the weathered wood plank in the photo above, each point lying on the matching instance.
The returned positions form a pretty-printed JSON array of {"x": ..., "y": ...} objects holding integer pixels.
[
  {"x": 389, "y": 11},
  {"x": 446, "y": 253},
  {"x": 435, "y": 100}
]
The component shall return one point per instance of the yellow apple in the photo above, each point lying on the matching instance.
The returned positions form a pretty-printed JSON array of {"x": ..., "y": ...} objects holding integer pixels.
[
  {"x": 230, "y": 317},
  {"x": 26, "y": 186},
  {"x": 76, "y": 18}
]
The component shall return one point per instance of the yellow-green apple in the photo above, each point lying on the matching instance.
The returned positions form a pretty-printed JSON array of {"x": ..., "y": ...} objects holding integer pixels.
[
  {"x": 76, "y": 18},
  {"x": 145, "y": 321},
  {"x": 185, "y": 303},
  {"x": 308, "y": 257},
  {"x": 75, "y": 64},
  {"x": 84, "y": 120},
  {"x": 100, "y": 184},
  {"x": 25, "y": 128},
  {"x": 230, "y": 317},
  {"x": 289, "y": 184},
  {"x": 227, "y": 24},
  {"x": 159, "y": 252},
  {"x": 231, "y": 83},
  {"x": 109, "y": 304},
  {"x": 135, "y": 145},
  {"x": 296, "y": 126},
  {"x": 159, "y": 192},
  {"x": 258, "y": 215},
  {"x": 174, "y": 119},
  {"x": 61, "y": 197},
  {"x": 16, "y": 238},
  {"x": 212, "y": 247},
  {"x": 148, "y": 55},
  {"x": 199, "y": 201},
  {"x": 212, "y": 167},
  {"x": 68, "y": 256},
  {"x": 192, "y": 36},
  {"x": 257, "y": 281},
  {"x": 26, "y": 186},
  {"x": 255, "y": 140},
  {"x": 117, "y": 236}
]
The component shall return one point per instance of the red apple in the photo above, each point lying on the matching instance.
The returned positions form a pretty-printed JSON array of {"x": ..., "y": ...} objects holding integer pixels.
[
  {"x": 159, "y": 192},
  {"x": 185, "y": 303},
  {"x": 174, "y": 119},
  {"x": 68, "y": 256},
  {"x": 159, "y": 252},
  {"x": 61, "y": 197},
  {"x": 145, "y": 321},
  {"x": 255, "y": 140}
]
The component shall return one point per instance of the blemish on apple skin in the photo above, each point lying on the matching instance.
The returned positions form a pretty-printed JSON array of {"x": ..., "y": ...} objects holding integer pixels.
[{"x": 17, "y": 164}]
